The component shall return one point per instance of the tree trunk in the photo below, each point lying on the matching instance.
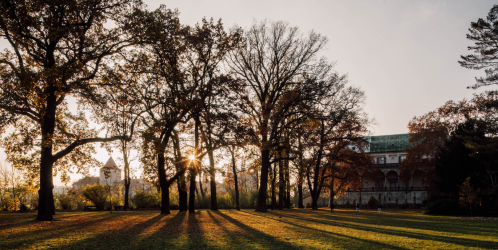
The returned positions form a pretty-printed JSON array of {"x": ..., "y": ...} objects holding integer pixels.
[
  {"x": 281, "y": 183},
  {"x": 300, "y": 178},
  {"x": 332, "y": 194},
  {"x": 234, "y": 169},
  {"x": 287, "y": 185},
  {"x": 181, "y": 182},
  {"x": 273, "y": 180},
  {"x": 163, "y": 184},
  {"x": 127, "y": 179},
  {"x": 212, "y": 172},
  {"x": 193, "y": 169},
  {"x": 200, "y": 184},
  {"x": 182, "y": 194},
  {"x": 314, "y": 201},
  {"x": 191, "y": 198},
  {"x": 127, "y": 194},
  {"x": 300, "y": 195},
  {"x": 46, "y": 206},
  {"x": 315, "y": 190},
  {"x": 263, "y": 185}
]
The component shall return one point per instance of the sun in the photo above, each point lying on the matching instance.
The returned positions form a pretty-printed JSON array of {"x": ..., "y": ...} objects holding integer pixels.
[{"x": 192, "y": 157}]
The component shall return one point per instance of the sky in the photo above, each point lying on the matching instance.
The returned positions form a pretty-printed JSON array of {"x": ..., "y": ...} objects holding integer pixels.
[{"x": 402, "y": 54}]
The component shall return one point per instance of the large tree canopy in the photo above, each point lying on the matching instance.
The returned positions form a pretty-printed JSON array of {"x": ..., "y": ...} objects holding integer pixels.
[
  {"x": 484, "y": 33},
  {"x": 57, "y": 48},
  {"x": 281, "y": 70}
]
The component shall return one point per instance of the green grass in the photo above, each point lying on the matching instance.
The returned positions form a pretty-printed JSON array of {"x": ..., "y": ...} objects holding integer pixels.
[{"x": 288, "y": 229}]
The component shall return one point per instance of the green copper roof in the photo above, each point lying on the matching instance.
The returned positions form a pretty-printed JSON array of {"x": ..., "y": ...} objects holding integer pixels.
[{"x": 387, "y": 143}]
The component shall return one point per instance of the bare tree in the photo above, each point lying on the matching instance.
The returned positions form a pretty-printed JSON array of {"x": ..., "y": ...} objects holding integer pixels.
[{"x": 280, "y": 68}]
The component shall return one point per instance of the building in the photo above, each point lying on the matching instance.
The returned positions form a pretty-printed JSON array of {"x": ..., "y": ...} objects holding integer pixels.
[
  {"x": 388, "y": 151},
  {"x": 110, "y": 174}
]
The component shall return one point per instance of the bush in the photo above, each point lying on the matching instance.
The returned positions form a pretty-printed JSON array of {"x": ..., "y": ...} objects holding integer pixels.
[
  {"x": 97, "y": 194},
  {"x": 444, "y": 206},
  {"x": 143, "y": 199},
  {"x": 372, "y": 202},
  {"x": 202, "y": 202},
  {"x": 7, "y": 202},
  {"x": 225, "y": 201},
  {"x": 65, "y": 201},
  {"x": 248, "y": 199}
]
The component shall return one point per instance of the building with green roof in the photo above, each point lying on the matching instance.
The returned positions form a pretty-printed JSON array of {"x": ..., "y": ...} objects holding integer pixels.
[{"x": 388, "y": 151}]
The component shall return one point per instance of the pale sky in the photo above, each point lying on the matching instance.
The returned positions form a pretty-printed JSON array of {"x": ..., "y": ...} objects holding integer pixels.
[{"x": 403, "y": 54}]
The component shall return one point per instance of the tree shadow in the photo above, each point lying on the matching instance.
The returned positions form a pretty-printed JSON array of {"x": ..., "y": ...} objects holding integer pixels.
[
  {"x": 196, "y": 239},
  {"x": 124, "y": 237},
  {"x": 164, "y": 237},
  {"x": 342, "y": 237},
  {"x": 52, "y": 230},
  {"x": 361, "y": 225},
  {"x": 254, "y": 235},
  {"x": 401, "y": 220},
  {"x": 249, "y": 241}
]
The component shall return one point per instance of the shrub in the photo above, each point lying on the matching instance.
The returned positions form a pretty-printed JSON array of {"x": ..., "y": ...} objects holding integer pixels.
[
  {"x": 444, "y": 206},
  {"x": 7, "y": 202},
  {"x": 202, "y": 202},
  {"x": 143, "y": 199},
  {"x": 97, "y": 194},
  {"x": 65, "y": 201},
  {"x": 116, "y": 197},
  {"x": 225, "y": 201},
  {"x": 248, "y": 199}
]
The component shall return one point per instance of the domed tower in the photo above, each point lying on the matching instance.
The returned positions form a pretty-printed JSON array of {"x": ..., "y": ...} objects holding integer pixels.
[{"x": 110, "y": 174}]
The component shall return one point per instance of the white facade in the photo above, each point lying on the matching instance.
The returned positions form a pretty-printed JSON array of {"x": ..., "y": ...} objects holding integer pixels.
[{"x": 110, "y": 174}]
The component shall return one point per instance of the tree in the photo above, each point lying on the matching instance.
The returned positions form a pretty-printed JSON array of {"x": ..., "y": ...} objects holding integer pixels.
[
  {"x": 56, "y": 51},
  {"x": 280, "y": 69},
  {"x": 453, "y": 161},
  {"x": 484, "y": 33},
  {"x": 12, "y": 187},
  {"x": 468, "y": 195},
  {"x": 121, "y": 117},
  {"x": 207, "y": 46},
  {"x": 336, "y": 123},
  {"x": 430, "y": 131}
]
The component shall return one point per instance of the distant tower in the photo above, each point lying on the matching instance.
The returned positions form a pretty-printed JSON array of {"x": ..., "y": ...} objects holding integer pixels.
[{"x": 114, "y": 173}]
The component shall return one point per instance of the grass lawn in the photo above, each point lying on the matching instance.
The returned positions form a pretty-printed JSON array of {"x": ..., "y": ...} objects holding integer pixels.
[{"x": 288, "y": 229}]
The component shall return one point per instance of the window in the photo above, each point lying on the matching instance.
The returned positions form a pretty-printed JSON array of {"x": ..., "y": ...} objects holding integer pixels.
[
  {"x": 393, "y": 185},
  {"x": 381, "y": 160},
  {"x": 402, "y": 158}
]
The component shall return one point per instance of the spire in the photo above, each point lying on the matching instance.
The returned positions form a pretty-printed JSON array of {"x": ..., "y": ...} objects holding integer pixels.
[{"x": 110, "y": 164}]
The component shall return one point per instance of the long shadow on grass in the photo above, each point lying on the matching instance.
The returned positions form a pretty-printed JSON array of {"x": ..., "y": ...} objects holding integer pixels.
[
  {"x": 13, "y": 222},
  {"x": 125, "y": 237},
  {"x": 451, "y": 224},
  {"x": 420, "y": 236},
  {"x": 252, "y": 237},
  {"x": 258, "y": 236},
  {"x": 196, "y": 239},
  {"x": 33, "y": 237},
  {"x": 165, "y": 236},
  {"x": 399, "y": 221},
  {"x": 353, "y": 239}
]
